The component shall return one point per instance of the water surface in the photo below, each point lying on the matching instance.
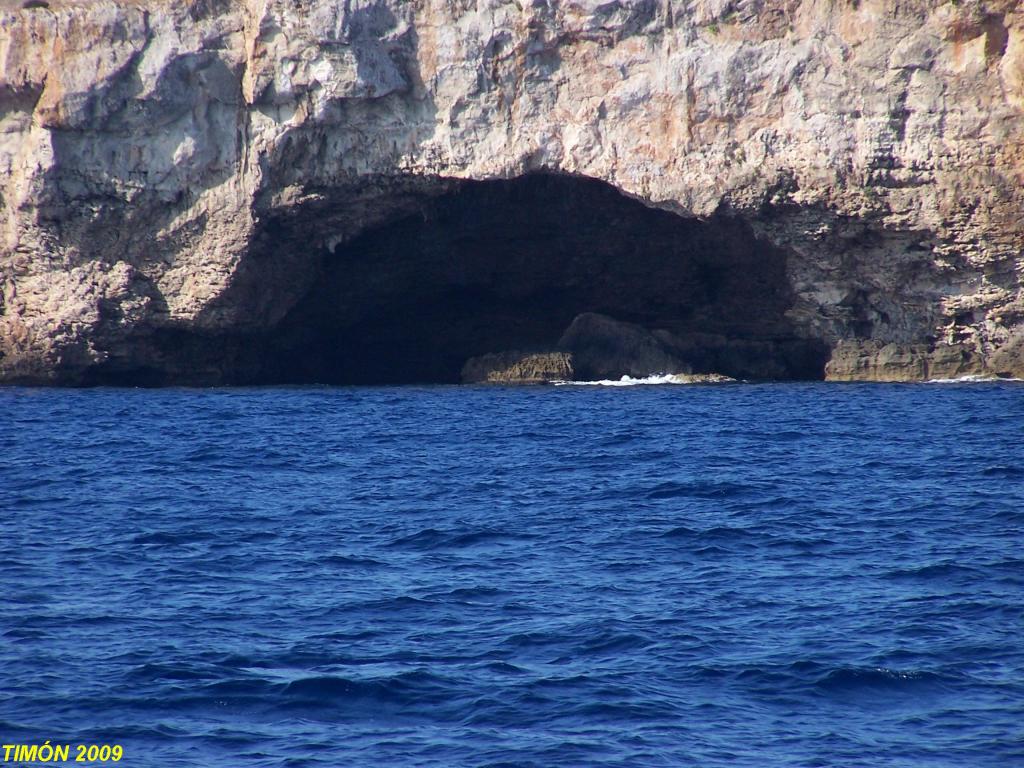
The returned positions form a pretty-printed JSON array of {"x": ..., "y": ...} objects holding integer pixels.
[{"x": 735, "y": 575}]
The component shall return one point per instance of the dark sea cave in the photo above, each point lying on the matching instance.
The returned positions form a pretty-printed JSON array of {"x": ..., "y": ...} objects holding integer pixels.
[{"x": 505, "y": 265}]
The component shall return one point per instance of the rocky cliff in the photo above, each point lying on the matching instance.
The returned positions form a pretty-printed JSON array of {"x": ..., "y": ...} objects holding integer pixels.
[{"x": 220, "y": 191}]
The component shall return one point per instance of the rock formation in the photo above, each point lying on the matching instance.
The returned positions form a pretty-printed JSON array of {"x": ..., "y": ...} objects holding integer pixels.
[
  {"x": 208, "y": 191},
  {"x": 594, "y": 348},
  {"x": 518, "y": 368},
  {"x": 604, "y": 348}
]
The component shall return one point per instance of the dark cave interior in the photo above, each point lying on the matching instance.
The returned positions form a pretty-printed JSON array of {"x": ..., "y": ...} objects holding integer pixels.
[{"x": 507, "y": 265}]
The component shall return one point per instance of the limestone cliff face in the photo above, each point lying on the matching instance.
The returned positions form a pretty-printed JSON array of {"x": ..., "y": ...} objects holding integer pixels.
[{"x": 176, "y": 176}]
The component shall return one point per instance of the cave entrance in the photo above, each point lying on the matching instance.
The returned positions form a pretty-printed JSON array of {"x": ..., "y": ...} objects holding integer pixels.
[{"x": 508, "y": 265}]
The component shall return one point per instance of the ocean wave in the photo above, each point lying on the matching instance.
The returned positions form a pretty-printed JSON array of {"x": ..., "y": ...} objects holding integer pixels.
[
  {"x": 153, "y": 672},
  {"x": 719, "y": 533},
  {"x": 432, "y": 538},
  {"x": 671, "y": 489},
  {"x": 972, "y": 378},
  {"x": 629, "y": 381},
  {"x": 351, "y": 562},
  {"x": 853, "y": 679},
  {"x": 324, "y": 688},
  {"x": 1002, "y": 470},
  {"x": 942, "y": 570},
  {"x": 805, "y": 675},
  {"x": 172, "y": 537}
]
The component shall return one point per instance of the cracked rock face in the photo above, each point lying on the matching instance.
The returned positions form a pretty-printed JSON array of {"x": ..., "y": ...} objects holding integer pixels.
[{"x": 183, "y": 182}]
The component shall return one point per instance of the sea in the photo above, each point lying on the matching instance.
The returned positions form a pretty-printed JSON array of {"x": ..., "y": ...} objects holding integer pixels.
[{"x": 798, "y": 574}]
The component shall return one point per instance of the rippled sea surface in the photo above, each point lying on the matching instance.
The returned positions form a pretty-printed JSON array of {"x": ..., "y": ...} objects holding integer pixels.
[{"x": 737, "y": 575}]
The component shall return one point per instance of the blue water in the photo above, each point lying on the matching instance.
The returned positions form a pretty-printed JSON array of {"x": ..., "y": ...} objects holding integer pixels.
[{"x": 738, "y": 575}]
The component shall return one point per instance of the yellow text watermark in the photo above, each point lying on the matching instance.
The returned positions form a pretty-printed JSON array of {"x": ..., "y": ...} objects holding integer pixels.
[{"x": 58, "y": 753}]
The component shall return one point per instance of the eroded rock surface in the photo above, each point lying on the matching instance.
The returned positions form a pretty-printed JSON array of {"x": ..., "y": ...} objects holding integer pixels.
[
  {"x": 518, "y": 368},
  {"x": 181, "y": 179}
]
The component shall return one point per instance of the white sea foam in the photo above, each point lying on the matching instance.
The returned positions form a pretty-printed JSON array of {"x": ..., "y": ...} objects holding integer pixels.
[
  {"x": 629, "y": 381},
  {"x": 974, "y": 378}
]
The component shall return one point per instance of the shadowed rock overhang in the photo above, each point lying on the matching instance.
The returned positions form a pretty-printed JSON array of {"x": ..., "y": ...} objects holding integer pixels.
[{"x": 487, "y": 267}]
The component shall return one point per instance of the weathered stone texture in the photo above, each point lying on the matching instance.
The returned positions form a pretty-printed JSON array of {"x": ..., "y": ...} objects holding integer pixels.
[
  {"x": 172, "y": 165},
  {"x": 518, "y": 368}
]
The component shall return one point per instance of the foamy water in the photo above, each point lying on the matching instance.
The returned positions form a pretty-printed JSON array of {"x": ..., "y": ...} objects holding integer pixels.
[
  {"x": 972, "y": 379},
  {"x": 674, "y": 379},
  {"x": 629, "y": 381}
]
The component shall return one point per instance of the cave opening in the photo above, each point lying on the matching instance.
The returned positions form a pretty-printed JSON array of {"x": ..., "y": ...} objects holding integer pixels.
[
  {"x": 486, "y": 268},
  {"x": 508, "y": 265}
]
